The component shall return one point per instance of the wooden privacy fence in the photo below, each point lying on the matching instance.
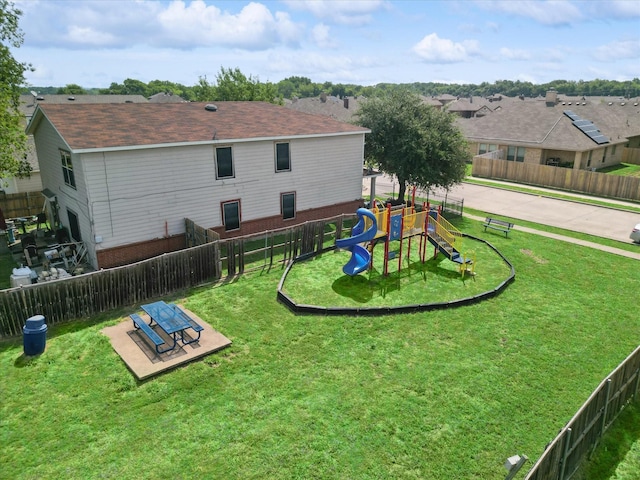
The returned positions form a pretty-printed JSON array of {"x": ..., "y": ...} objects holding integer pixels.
[
  {"x": 92, "y": 293},
  {"x": 580, "y": 436},
  {"x": 280, "y": 246},
  {"x": 631, "y": 155},
  {"x": 584, "y": 181},
  {"x": 85, "y": 295},
  {"x": 16, "y": 205},
  {"x": 196, "y": 235}
]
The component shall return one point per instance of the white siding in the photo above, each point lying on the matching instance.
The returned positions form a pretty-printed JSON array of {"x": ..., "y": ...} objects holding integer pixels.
[
  {"x": 145, "y": 194},
  {"x": 48, "y": 145}
]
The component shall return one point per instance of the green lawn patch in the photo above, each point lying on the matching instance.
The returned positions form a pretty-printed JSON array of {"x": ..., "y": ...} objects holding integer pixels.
[
  {"x": 622, "y": 169},
  {"x": 431, "y": 395},
  {"x": 321, "y": 282}
]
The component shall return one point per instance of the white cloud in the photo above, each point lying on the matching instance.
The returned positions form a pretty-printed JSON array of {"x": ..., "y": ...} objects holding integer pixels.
[
  {"x": 178, "y": 24},
  {"x": 547, "y": 12},
  {"x": 514, "y": 54},
  {"x": 620, "y": 9},
  {"x": 320, "y": 66},
  {"x": 620, "y": 50},
  {"x": 493, "y": 26},
  {"x": 341, "y": 12},
  {"x": 254, "y": 27},
  {"x": 88, "y": 36},
  {"x": 434, "y": 49},
  {"x": 322, "y": 37}
]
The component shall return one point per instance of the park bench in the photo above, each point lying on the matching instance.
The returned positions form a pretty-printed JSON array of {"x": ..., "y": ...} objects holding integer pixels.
[
  {"x": 140, "y": 324},
  {"x": 499, "y": 225}
]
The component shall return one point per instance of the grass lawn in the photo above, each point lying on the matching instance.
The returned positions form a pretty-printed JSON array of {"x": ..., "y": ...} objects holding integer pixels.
[
  {"x": 623, "y": 169},
  {"x": 433, "y": 395},
  {"x": 618, "y": 454},
  {"x": 320, "y": 281}
]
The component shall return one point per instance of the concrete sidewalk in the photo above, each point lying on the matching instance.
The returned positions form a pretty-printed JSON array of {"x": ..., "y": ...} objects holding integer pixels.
[{"x": 576, "y": 241}]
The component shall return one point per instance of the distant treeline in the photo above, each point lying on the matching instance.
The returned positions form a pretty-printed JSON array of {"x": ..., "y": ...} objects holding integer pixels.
[{"x": 302, "y": 87}]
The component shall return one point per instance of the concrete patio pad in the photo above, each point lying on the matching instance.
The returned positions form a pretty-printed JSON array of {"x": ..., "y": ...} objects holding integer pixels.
[{"x": 140, "y": 355}]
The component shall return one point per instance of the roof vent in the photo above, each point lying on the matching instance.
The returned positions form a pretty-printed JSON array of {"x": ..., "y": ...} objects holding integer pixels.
[
  {"x": 128, "y": 101},
  {"x": 39, "y": 97},
  {"x": 71, "y": 99},
  {"x": 584, "y": 103},
  {"x": 635, "y": 104},
  {"x": 210, "y": 107},
  {"x": 610, "y": 103},
  {"x": 622, "y": 104}
]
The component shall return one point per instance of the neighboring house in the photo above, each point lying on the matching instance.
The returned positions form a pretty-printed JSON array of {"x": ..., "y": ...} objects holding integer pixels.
[
  {"x": 337, "y": 108},
  {"x": 124, "y": 177},
  {"x": 542, "y": 131},
  {"x": 166, "y": 97},
  {"x": 28, "y": 104},
  {"x": 467, "y": 107}
]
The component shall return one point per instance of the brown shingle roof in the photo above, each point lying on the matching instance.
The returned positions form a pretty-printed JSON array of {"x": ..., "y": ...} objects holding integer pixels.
[
  {"x": 28, "y": 103},
  {"x": 117, "y": 125}
]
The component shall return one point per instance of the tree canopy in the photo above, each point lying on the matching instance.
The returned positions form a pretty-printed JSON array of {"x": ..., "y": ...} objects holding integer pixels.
[
  {"x": 237, "y": 85},
  {"x": 13, "y": 141},
  {"x": 412, "y": 141},
  {"x": 233, "y": 85}
]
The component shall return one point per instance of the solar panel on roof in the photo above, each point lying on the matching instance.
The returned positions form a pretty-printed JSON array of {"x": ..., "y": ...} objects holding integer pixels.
[
  {"x": 586, "y": 127},
  {"x": 571, "y": 115},
  {"x": 600, "y": 139}
]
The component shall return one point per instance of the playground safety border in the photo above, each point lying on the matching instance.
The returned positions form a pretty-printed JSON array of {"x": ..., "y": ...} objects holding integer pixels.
[{"x": 375, "y": 311}]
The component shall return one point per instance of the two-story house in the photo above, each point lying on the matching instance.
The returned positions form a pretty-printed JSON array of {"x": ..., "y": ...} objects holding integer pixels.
[{"x": 123, "y": 177}]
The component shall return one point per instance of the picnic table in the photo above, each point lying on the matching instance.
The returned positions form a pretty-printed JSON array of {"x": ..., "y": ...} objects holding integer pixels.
[{"x": 172, "y": 320}]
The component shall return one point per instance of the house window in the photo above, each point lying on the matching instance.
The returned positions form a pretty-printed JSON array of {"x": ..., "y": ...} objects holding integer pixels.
[
  {"x": 231, "y": 215},
  {"x": 67, "y": 169},
  {"x": 515, "y": 153},
  {"x": 589, "y": 159},
  {"x": 74, "y": 226},
  {"x": 224, "y": 163},
  {"x": 288, "y": 205},
  {"x": 604, "y": 155},
  {"x": 283, "y": 159},
  {"x": 613, "y": 150},
  {"x": 484, "y": 148}
]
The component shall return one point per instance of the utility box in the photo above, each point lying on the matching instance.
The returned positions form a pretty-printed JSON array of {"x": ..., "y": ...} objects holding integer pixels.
[{"x": 34, "y": 335}]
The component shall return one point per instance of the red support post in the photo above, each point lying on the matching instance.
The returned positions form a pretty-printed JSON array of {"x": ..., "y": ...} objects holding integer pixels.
[{"x": 386, "y": 241}]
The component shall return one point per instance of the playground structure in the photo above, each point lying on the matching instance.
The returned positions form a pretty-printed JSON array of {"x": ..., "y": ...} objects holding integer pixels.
[{"x": 397, "y": 225}]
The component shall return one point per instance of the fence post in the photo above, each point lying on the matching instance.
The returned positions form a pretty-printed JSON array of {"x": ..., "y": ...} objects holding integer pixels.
[
  {"x": 565, "y": 453},
  {"x": 606, "y": 408},
  {"x": 635, "y": 390}
]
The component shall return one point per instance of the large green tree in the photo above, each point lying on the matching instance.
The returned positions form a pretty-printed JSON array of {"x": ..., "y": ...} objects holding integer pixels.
[
  {"x": 412, "y": 141},
  {"x": 234, "y": 85},
  {"x": 13, "y": 141},
  {"x": 71, "y": 89}
]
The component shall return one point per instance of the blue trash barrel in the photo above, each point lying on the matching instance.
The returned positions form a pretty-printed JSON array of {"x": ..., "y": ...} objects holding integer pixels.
[{"x": 34, "y": 335}]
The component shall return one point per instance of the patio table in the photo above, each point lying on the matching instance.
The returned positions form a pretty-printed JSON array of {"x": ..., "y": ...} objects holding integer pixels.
[{"x": 169, "y": 320}]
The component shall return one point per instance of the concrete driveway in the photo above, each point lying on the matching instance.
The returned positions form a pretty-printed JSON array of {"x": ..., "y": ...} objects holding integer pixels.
[{"x": 578, "y": 217}]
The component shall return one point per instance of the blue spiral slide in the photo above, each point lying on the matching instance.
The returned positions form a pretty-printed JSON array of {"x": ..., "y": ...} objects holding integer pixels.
[{"x": 360, "y": 256}]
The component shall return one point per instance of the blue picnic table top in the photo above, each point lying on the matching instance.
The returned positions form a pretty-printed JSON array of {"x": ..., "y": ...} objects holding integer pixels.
[{"x": 165, "y": 316}]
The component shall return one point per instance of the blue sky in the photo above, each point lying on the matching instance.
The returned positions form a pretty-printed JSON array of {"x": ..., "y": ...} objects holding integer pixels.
[{"x": 94, "y": 43}]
